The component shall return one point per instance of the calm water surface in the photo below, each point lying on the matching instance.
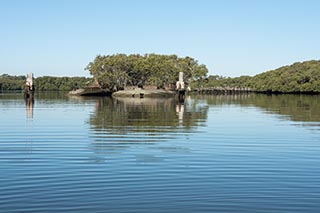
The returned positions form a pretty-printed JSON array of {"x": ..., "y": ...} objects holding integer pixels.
[{"x": 248, "y": 153}]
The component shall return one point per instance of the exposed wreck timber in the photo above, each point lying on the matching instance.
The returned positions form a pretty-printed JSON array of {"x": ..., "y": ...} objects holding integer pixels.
[
  {"x": 141, "y": 93},
  {"x": 90, "y": 91}
]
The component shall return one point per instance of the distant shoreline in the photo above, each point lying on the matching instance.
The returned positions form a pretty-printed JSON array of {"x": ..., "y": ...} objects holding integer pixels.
[{"x": 298, "y": 78}]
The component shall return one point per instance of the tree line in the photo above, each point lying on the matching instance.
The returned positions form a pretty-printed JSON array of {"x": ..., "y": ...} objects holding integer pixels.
[
  {"x": 300, "y": 77},
  {"x": 117, "y": 71},
  {"x": 48, "y": 83},
  {"x": 44, "y": 83},
  {"x": 8, "y": 82}
]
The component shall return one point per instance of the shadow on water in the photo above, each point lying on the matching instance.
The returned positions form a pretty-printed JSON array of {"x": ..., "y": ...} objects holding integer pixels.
[
  {"x": 303, "y": 109},
  {"x": 29, "y": 106},
  {"x": 120, "y": 123},
  {"x": 152, "y": 113},
  {"x": 125, "y": 116}
]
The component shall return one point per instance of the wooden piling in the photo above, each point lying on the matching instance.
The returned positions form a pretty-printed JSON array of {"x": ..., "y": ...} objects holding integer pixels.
[
  {"x": 180, "y": 88},
  {"x": 29, "y": 86}
]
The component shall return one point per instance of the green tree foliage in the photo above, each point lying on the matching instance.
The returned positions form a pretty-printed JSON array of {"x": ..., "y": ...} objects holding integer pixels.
[
  {"x": 45, "y": 83},
  {"x": 215, "y": 81},
  {"x": 8, "y": 82},
  {"x": 48, "y": 83},
  {"x": 120, "y": 70},
  {"x": 299, "y": 77}
]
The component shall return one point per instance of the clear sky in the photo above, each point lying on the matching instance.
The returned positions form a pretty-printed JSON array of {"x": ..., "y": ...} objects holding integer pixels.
[{"x": 231, "y": 37}]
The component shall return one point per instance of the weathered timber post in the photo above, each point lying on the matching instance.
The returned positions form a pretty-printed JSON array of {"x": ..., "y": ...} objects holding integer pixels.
[
  {"x": 29, "y": 87},
  {"x": 180, "y": 87},
  {"x": 29, "y": 95}
]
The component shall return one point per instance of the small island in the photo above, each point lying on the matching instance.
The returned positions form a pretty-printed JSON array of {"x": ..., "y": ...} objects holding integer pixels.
[{"x": 149, "y": 75}]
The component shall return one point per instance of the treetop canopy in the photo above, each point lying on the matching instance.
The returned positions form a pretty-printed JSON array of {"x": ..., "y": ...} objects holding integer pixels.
[{"x": 120, "y": 70}]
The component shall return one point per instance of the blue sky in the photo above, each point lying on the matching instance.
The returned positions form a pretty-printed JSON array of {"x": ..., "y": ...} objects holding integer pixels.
[{"x": 232, "y": 38}]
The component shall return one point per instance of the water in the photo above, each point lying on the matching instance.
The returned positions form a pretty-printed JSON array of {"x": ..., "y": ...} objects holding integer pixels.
[{"x": 248, "y": 153}]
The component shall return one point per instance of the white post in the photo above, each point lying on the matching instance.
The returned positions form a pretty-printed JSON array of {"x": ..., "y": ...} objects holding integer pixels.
[
  {"x": 180, "y": 83},
  {"x": 29, "y": 81},
  {"x": 181, "y": 77}
]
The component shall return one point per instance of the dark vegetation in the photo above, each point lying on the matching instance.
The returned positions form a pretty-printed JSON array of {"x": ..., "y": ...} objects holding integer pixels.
[
  {"x": 115, "y": 72},
  {"x": 45, "y": 83},
  {"x": 8, "y": 82},
  {"x": 299, "y": 77}
]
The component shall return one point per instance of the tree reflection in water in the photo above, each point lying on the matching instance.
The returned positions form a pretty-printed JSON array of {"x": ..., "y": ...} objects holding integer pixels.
[
  {"x": 303, "y": 110},
  {"x": 29, "y": 106},
  {"x": 120, "y": 123},
  {"x": 125, "y": 116}
]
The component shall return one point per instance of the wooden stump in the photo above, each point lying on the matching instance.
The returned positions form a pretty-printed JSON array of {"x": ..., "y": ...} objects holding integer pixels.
[{"x": 181, "y": 95}]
